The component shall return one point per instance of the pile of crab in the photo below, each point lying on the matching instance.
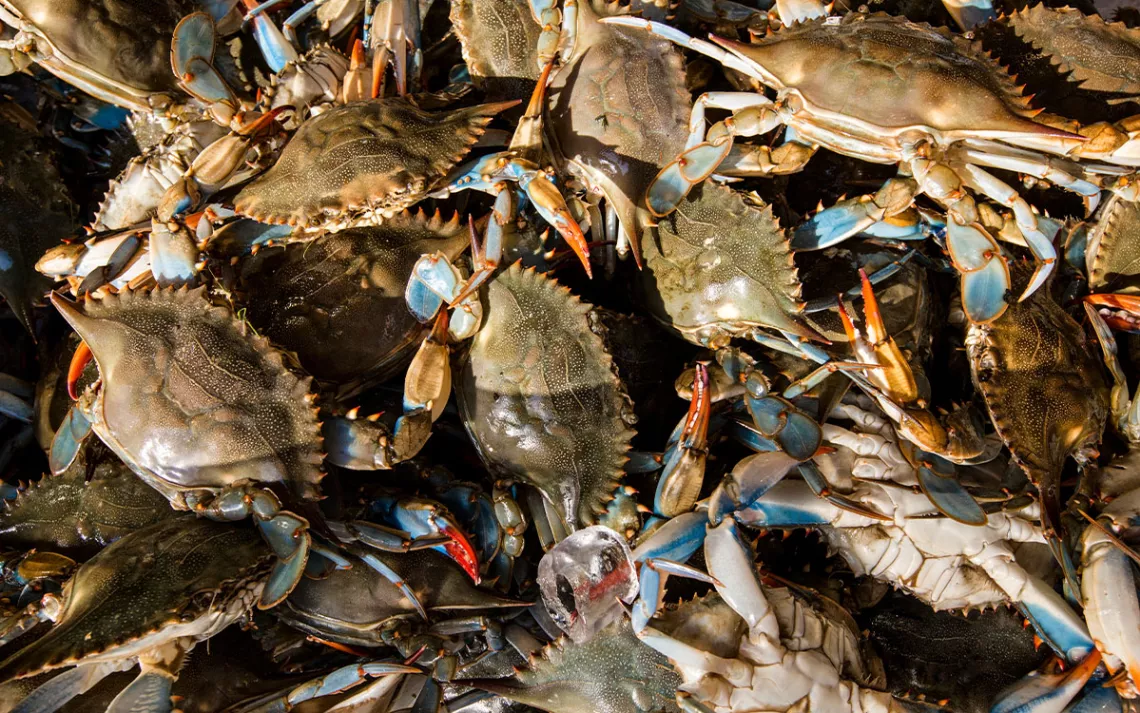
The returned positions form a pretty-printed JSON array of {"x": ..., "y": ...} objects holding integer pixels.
[{"x": 889, "y": 255}]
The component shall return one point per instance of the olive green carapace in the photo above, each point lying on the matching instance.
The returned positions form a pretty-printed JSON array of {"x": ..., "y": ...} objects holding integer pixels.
[
  {"x": 338, "y": 301},
  {"x": 351, "y": 606},
  {"x": 174, "y": 572},
  {"x": 179, "y": 372},
  {"x": 618, "y": 111},
  {"x": 540, "y": 396},
  {"x": 1101, "y": 56},
  {"x": 1112, "y": 257},
  {"x": 721, "y": 264},
  {"x": 368, "y": 157},
  {"x": 894, "y": 74},
  {"x": 611, "y": 673},
  {"x": 1043, "y": 387},
  {"x": 500, "y": 45},
  {"x": 96, "y": 501}
]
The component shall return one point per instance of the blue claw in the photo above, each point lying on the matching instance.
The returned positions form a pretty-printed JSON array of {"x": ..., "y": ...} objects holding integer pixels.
[
  {"x": 1055, "y": 621},
  {"x": 1045, "y": 693},
  {"x": 947, "y": 494},
  {"x": 831, "y": 226},
  {"x": 690, "y": 168},
  {"x": 274, "y": 47},
  {"x": 776, "y": 418},
  {"x": 203, "y": 82},
  {"x": 750, "y": 479},
  {"x": 984, "y": 290},
  {"x": 65, "y": 445},
  {"x": 285, "y": 575},
  {"x": 193, "y": 38},
  {"x": 789, "y": 503},
  {"x": 676, "y": 540}
]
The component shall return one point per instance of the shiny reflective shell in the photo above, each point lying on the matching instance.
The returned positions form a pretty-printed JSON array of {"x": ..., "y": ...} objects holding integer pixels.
[
  {"x": 719, "y": 266},
  {"x": 178, "y": 372},
  {"x": 540, "y": 397},
  {"x": 362, "y": 161},
  {"x": 1043, "y": 386},
  {"x": 611, "y": 673},
  {"x": 619, "y": 110},
  {"x": 894, "y": 75},
  {"x": 177, "y": 573},
  {"x": 352, "y": 606},
  {"x": 499, "y": 39},
  {"x": 110, "y": 38},
  {"x": 338, "y": 301},
  {"x": 1101, "y": 56}
]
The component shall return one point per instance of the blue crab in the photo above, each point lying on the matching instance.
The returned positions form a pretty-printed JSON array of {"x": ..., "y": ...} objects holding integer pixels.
[
  {"x": 178, "y": 371},
  {"x": 941, "y": 148}
]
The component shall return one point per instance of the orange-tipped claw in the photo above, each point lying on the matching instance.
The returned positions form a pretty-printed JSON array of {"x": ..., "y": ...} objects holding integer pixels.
[
  {"x": 1128, "y": 303},
  {"x": 696, "y": 427},
  {"x": 876, "y": 331},
  {"x": 848, "y": 324},
  {"x": 79, "y": 361}
]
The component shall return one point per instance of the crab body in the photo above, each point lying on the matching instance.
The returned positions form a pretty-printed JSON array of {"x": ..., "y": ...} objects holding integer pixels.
[
  {"x": 540, "y": 397},
  {"x": 500, "y": 42},
  {"x": 186, "y": 579},
  {"x": 338, "y": 301},
  {"x": 362, "y": 162},
  {"x": 720, "y": 266},
  {"x": 618, "y": 110}
]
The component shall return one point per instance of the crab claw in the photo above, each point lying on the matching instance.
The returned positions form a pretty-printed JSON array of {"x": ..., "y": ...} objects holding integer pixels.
[
  {"x": 984, "y": 273},
  {"x": 420, "y": 517},
  {"x": 79, "y": 361},
  {"x": 550, "y": 204},
  {"x": 678, "y": 177},
  {"x": 1046, "y": 693},
  {"x": 946, "y": 493},
  {"x": 683, "y": 473},
  {"x": 274, "y": 47},
  {"x": 778, "y": 420},
  {"x": 1125, "y": 311}
]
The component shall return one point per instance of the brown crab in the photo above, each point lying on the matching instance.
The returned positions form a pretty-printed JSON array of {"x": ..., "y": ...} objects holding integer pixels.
[
  {"x": 500, "y": 45},
  {"x": 619, "y": 110},
  {"x": 1044, "y": 390},
  {"x": 363, "y": 161},
  {"x": 540, "y": 397},
  {"x": 338, "y": 301}
]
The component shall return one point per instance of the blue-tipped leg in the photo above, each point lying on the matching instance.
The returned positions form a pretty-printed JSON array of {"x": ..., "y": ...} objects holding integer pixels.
[
  {"x": 936, "y": 477},
  {"x": 70, "y": 436}
]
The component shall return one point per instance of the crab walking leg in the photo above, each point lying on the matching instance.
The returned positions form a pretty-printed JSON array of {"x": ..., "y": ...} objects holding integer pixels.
[
  {"x": 1039, "y": 243},
  {"x": 559, "y": 28},
  {"x": 1050, "y": 614},
  {"x": 753, "y": 114},
  {"x": 57, "y": 691},
  {"x": 1125, "y": 411},
  {"x": 1048, "y": 168},
  {"x": 16, "y": 398},
  {"x": 343, "y": 679},
  {"x": 1109, "y": 588}
]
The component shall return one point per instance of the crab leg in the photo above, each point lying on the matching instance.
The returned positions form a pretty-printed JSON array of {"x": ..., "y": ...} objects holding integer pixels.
[
  {"x": 970, "y": 13},
  {"x": 395, "y": 32},
  {"x": 559, "y": 28},
  {"x": 855, "y": 215},
  {"x": 339, "y": 681},
  {"x": 1047, "y": 693},
  {"x": 58, "y": 690},
  {"x": 15, "y": 398},
  {"x": 683, "y": 473},
  {"x": 995, "y": 155},
  {"x": 421, "y": 517},
  {"x": 1125, "y": 411}
]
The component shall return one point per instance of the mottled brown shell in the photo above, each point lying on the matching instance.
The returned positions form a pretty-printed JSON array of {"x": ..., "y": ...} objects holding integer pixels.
[
  {"x": 191, "y": 399},
  {"x": 173, "y": 572},
  {"x": 1101, "y": 56},
  {"x": 369, "y": 157},
  {"x": 540, "y": 397},
  {"x": 893, "y": 74},
  {"x": 338, "y": 301},
  {"x": 619, "y": 110},
  {"x": 352, "y": 605},
  {"x": 611, "y": 673},
  {"x": 719, "y": 266},
  {"x": 1113, "y": 253},
  {"x": 500, "y": 45},
  {"x": 1042, "y": 385},
  {"x": 96, "y": 501}
]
